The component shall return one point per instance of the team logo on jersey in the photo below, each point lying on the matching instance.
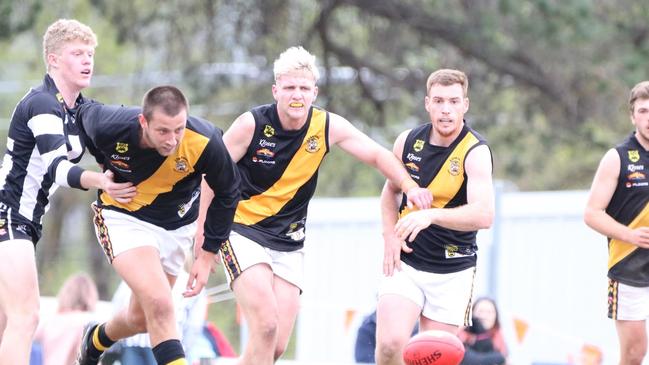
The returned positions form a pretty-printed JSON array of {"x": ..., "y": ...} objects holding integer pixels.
[
  {"x": 182, "y": 165},
  {"x": 454, "y": 166},
  {"x": 419, "y": 145},
  {"x": 2, "y": 222},
  {"x": 121, "y": 147},
  {"x": 634, "y": 155},
  {"x": 454, "y": 251},
  {"x": 269, "y": 131},
  {"x": 312, "y": 144}
]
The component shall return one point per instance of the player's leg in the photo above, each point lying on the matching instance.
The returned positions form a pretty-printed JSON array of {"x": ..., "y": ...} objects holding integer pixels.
[
  {"x": 19, "y": 300},
  {"x": 396, "y": 316},
  {"x": 287, "y": 296},
  {"x": 253, "y": 289},
  {"x": 399, "y": 308},
  {"x": 629, "y": 307},
  {"x": 141, "y": 269},
  {"x": 633, "y": 341},
  {"x": 130, "y": 320}
]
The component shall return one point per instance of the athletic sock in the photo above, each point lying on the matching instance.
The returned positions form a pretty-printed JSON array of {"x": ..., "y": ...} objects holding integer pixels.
[
  {"x": 99, "y": 341},
  {"x": 169, "y": 352}
]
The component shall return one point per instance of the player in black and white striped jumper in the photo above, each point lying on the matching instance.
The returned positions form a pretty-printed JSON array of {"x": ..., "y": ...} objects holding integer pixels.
[{"x": 43, "y": 145}]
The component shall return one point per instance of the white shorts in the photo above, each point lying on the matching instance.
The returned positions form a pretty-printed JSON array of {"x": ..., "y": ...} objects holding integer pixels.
[
  {"x": 240, "y": 253},
  {"x": 628, "y": 303},
  {"x": 444, "y": 298},
  {"x": 118, "y": 232}
]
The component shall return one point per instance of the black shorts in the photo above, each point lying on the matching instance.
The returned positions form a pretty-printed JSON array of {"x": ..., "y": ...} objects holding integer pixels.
[{"x": 18, "y": 228}]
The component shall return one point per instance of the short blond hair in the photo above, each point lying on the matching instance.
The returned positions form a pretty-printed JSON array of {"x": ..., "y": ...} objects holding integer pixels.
[
  {"x": 639, "y": 91},
  {"x": 295, "y": 59},
  {"x": 63, "y": 31},
  {"x": 448, "y": 77}
]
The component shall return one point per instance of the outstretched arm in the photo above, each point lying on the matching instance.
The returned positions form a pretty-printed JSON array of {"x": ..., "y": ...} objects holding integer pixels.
[{"x": 357, "y": 144}]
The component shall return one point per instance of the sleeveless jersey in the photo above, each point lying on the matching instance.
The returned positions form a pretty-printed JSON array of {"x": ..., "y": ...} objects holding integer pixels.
[
  {"x": 168, "y": 187},
  {"x": 627, "y": 263},
  {"x": 440, "y": 169},
  {"x": 279, "y": 172}
]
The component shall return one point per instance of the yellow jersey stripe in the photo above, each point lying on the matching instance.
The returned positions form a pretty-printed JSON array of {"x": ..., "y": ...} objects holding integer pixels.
[
  {"x": 178, "y": 362},
  {"x": 618, "y": 250},
  {"x": 450, "y": 177},
  {"x": 174, "y": 168},
  {"x": 299, "y": 170}
]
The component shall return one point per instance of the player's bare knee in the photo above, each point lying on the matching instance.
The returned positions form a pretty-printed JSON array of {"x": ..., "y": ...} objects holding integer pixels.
[
  {"x": 388, "y": 348},
  {"x": 24, "y": 321},
  {"x": 160, "y": 309},
  {"x": 137, "y": 321}
]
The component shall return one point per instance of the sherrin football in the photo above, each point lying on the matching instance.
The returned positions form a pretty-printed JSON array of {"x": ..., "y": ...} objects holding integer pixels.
[{"x": 433, "y": 348}]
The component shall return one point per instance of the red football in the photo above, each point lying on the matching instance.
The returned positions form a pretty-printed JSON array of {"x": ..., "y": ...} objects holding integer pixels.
[{"x": 433, "y": 348}]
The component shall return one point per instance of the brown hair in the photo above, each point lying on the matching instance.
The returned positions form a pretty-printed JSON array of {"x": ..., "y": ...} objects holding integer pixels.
[
  {"x": 79, "y": 292},
  {"x": 63, "y": 31},
  {"x": 448, "y": 77},
  {"x": 639, "y": 91},
  {"x": 168, "y": 99}
]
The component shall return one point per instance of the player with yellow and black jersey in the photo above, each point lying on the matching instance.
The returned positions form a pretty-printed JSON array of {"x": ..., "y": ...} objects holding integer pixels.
[
  {"x": 431, "y": 281},
  {"x": 165, "y": 153},
  {"x": 618, "y": 208},
  {"x": 278, "y": 149}
]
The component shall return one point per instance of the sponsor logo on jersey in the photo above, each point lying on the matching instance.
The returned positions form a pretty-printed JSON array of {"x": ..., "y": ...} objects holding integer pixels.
[
  {"x": 296, "y": 230},
  {"x": 121, "y": 165},
  {"x": 413, "y": 157},
  {"x": 312, "y": 144},
  {"x": 269, "y": 131},
  {"x": 454, "y": 166},
  {"x": 412, "y": 166},
  {"x": 419, "y": 145},
  {"x": 454, "y": 251},
  {"x": 184, "y": 208},
  {"x": 182, "y": 165},
  {"x": 636, "y": 184},
  {"x": 115, "y": 156},
  {"x": 636, "y": 176},
  {"x": 121, "y": 147},
  {"x": 2, "y": 222},
  {"x": 265, "y": 152},
  {"x": 634, "y": 155},
  {"x": 266, "y": 143}
]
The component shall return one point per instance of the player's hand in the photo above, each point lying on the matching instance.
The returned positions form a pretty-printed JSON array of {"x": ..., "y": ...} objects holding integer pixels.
[
  {"x": 419, "y": 197},
  {"x": 392, "y": 248},
  {"x": 640, "y": 237},
  {"x": 409, "y": 226},
  {"x": 121, "y": 192},
  {"x": 199, "y": 273}
]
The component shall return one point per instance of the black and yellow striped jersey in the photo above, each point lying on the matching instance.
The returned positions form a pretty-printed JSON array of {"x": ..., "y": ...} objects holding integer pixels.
[
  {"x": 627, "y": 263},
  {"x": 441, "y": 170},
  {"x": 279, "y": 172},
  {"x": 168, "y": 188}
]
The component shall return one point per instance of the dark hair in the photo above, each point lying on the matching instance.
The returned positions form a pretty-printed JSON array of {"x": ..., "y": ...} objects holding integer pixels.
[
  {"x": 639, "y": 91},
  {"x": 166, "y": 98},
  {"x": 493, "y": 302}
]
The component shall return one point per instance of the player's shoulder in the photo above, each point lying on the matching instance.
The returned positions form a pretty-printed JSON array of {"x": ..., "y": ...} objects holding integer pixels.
[
  {"x": 40, "y": 101},
  {"x": 203, "y": 126}
]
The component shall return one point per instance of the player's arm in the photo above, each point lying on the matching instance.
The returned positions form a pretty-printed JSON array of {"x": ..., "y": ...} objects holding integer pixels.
[
  {"x": 359, "y": 145},
  {"x": 390, "y": 201},
  {"x": 238, "y": 137},
  {"x": 601, "y": 192},
  {"x": 479, "y": 211},
  {"x": 222, "y": 178}
]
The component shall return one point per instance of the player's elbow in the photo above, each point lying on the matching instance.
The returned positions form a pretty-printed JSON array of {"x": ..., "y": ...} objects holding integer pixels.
[{"x": 485, "y": 218}]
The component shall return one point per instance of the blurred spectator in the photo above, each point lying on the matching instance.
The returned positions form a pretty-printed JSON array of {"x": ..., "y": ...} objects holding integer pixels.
[
  {"x": 483, "y": 340},
  {"x": 60, "y": 335}
]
